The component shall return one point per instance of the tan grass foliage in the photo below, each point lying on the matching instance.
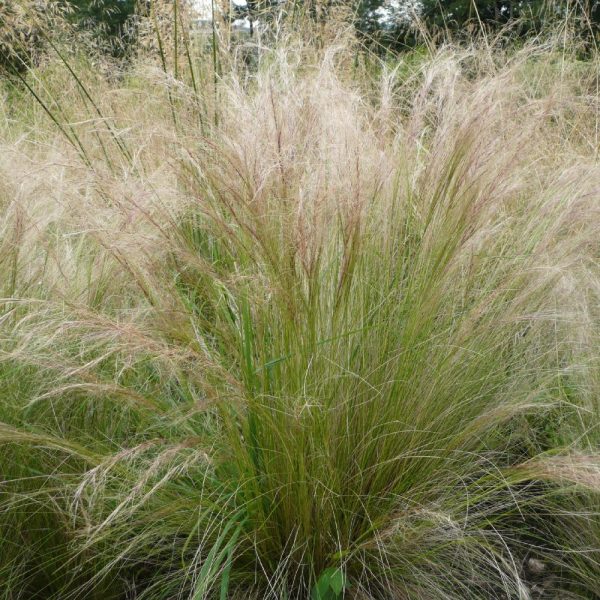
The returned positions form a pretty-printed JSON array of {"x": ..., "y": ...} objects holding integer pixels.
[{"x": 407, "y": 257}]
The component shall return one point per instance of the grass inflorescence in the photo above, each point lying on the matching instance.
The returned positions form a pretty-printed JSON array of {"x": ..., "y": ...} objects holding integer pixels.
[{"x": 340, "y": 341}]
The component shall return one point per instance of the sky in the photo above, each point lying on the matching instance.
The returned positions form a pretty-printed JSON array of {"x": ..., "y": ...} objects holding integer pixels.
[
  {"x": 204, "y": 9},
  {"x": 392, "y": 10}
]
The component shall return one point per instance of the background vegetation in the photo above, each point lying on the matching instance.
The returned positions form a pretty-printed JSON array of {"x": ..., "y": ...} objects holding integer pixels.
[{"x": 291, "y": 316}]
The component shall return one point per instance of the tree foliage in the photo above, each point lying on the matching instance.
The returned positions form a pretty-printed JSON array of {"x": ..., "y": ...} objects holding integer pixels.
[
  {"x": 108, "y": 20},
  {"x": 394, "y": 20}
]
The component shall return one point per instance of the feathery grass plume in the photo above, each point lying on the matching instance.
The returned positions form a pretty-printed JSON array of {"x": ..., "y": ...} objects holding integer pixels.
[
  {"x": 19, "y": 34},
  {"x": 341, "y": 343}
]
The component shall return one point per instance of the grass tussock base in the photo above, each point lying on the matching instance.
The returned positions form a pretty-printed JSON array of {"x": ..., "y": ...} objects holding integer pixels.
[{"x": 340, "y": 341}]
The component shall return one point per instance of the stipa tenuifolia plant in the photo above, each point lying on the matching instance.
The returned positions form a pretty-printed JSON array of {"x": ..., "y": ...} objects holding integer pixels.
[{"x": 339, "y": 345}]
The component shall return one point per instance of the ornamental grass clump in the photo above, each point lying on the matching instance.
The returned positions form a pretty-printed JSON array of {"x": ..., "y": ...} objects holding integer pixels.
[{"x": 340, "y": 342}]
